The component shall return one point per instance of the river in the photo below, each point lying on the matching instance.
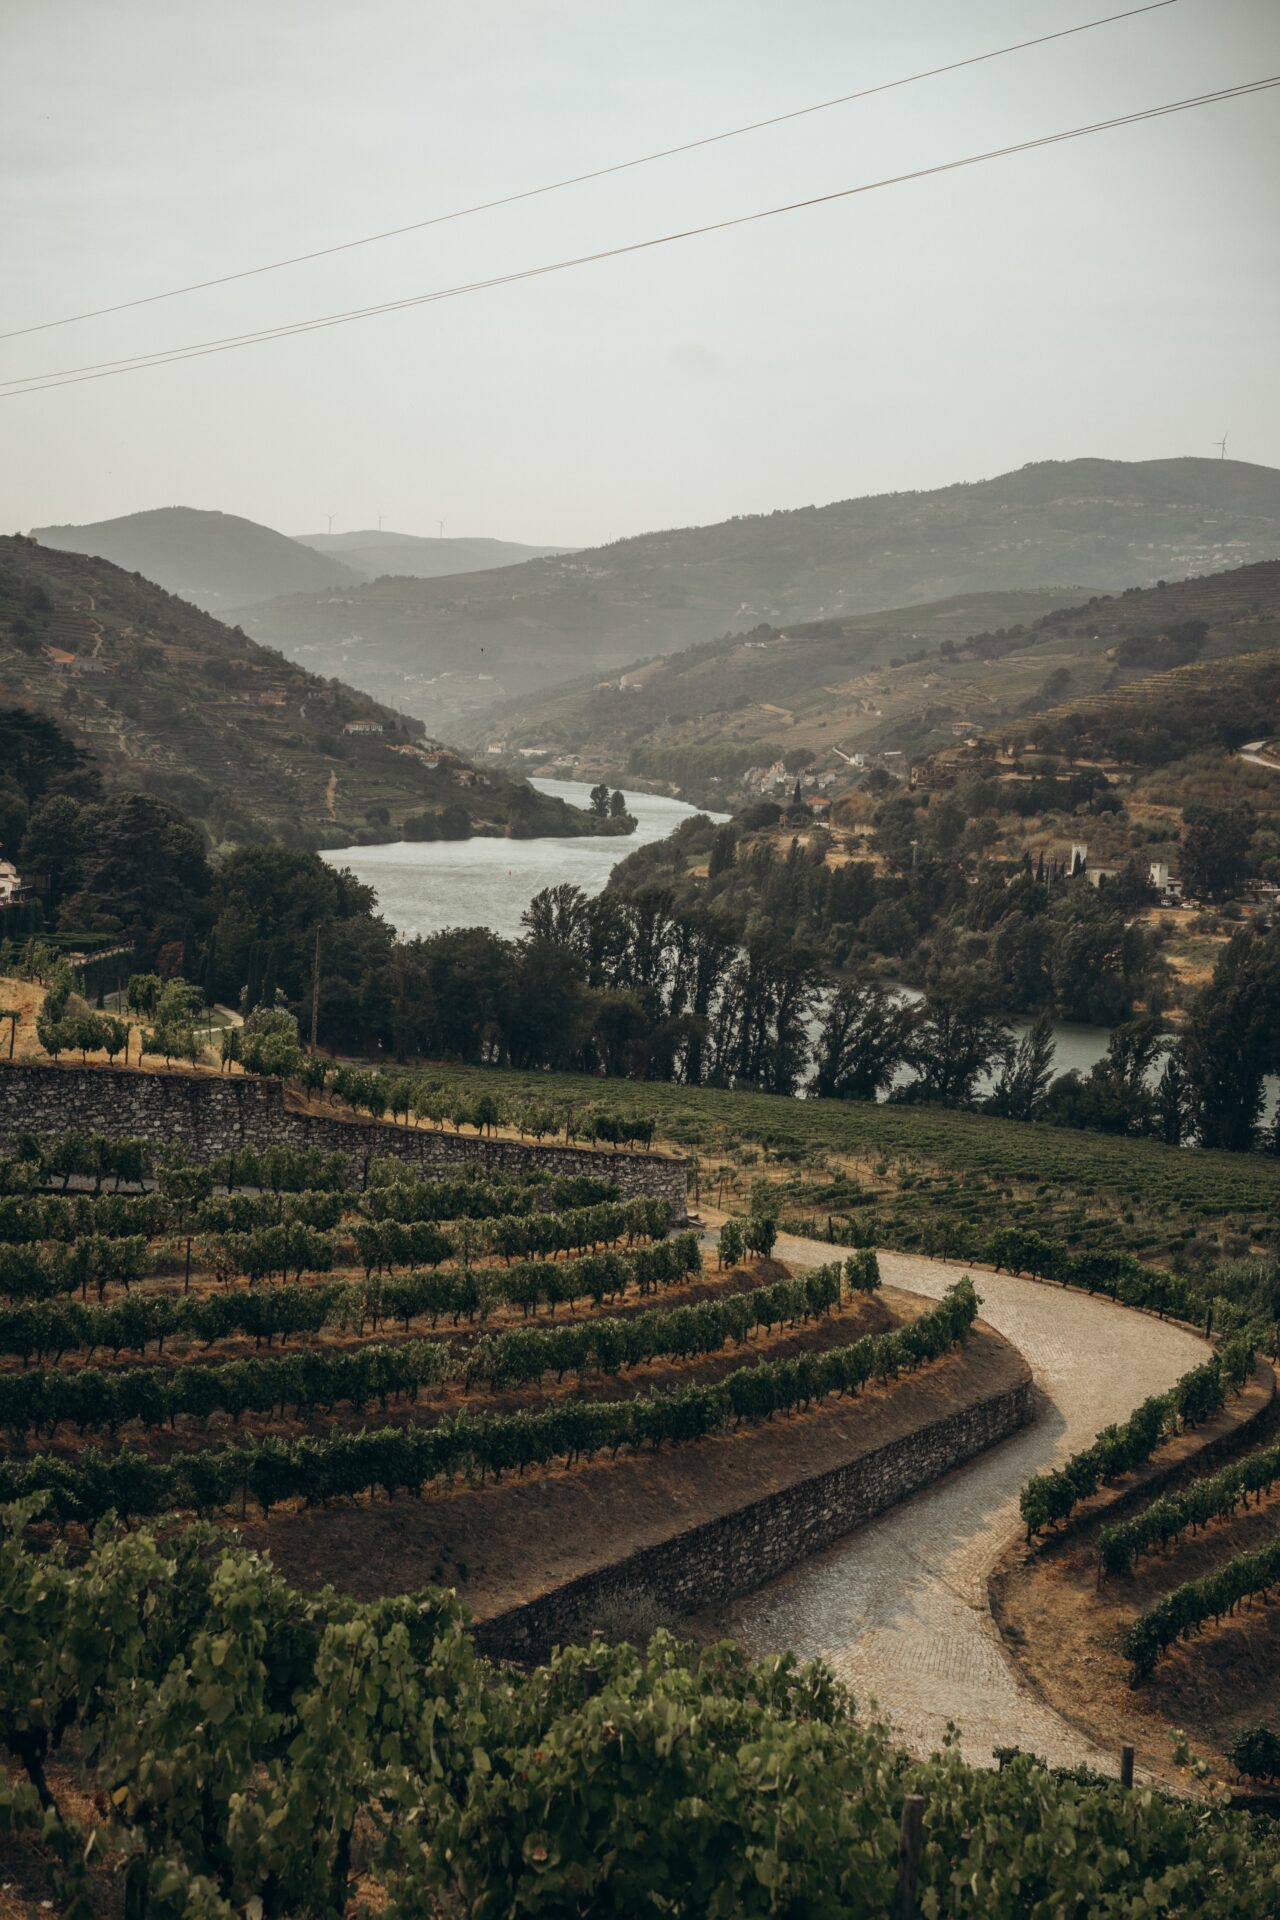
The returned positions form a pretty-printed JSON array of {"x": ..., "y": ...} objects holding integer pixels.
[{"x": 426, "y": 885}]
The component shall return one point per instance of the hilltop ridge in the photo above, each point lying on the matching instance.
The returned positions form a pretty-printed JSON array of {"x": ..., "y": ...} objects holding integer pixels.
[
  {"x": 214, "y": 560},
  {"x": 454, "y": 646}
]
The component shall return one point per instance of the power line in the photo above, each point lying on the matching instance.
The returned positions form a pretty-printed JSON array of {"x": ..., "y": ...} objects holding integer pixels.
[
  {"x": 580, "y": 179},
  {"x": 107, "y": 369}
]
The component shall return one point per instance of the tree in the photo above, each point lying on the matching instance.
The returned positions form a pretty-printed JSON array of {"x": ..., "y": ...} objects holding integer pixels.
[
  {"x": 723, "y": 851},
  {"x": 731, "y": 1243},
  {"x": 617, "y": 804},
  {"x": 1116, "y": 1096},
  {"x": 1231, "y": 1041},
  {"x": 1171, "y": 1101},
  {"x": 269, "y": 1043},
  {"x": 1215, "y": 850},
  {"x": 599, "y": 797},
  {"x": 863, "y": 1042},
  {"x": 1025, "y": 1073},
  {"x": 1091, "y": 959},
  {"x": 173, "y": 1035},
  {"x": 958, "y": 1036},
  {"x": 143, "y": 992}
]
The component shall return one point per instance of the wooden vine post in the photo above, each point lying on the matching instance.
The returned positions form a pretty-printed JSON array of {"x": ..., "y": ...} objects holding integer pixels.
[{"x": 910, "y": 1837}]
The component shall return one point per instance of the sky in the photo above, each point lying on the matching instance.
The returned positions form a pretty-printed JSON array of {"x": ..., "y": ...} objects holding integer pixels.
[{"x": 1116, "y": 296}]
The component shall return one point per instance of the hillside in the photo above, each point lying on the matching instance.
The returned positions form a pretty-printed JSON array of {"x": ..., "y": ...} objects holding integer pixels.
[
  {"x": 1159, "y": 719},
  {"x": 444, "y": 647},
  {"x": 215, "y": 560},
  {"x": 375, "y": 551},
  {"x": 166, "y": 698},
  {"x": 907, "y": 682}
]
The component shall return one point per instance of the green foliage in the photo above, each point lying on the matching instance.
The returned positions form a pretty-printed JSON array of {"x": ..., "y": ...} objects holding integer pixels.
[
  {"x": 48, "y": 1328},
  {"x": 40, "y": 1400},
  {"x": 269, "y": 1043},
  {"x": 1257, "y": 1753},
  {"x": 236, "y": 1735},
  {"x": 609, "y": 1345}
]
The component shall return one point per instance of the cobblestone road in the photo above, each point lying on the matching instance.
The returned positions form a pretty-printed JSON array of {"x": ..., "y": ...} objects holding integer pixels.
[{"x": 900, "y": 1608}]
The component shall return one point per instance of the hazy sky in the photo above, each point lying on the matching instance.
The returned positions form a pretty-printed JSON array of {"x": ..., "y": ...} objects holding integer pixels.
[{"x": 1115, "y": 296}]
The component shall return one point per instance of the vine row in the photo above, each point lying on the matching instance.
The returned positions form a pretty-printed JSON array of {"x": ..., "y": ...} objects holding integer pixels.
[
  {"x": 1168, "y": 1518},
  {"x": 1051, "y": 1497},
  {"x": 1178, "y": 1615},
  {"x": 409, "y": 1458},
  {"x": 53, "y": 1329}
]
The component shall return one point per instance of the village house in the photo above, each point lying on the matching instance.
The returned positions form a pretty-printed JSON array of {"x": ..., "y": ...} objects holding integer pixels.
[{"x": 363, "y": 727}]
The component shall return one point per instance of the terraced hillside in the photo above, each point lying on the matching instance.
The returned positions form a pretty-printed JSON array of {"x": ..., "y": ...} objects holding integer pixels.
[
  {"x": 1183, "y": 710},
  {"x": 297, "y": 1329},
  {"x": 167, "y": 698}
]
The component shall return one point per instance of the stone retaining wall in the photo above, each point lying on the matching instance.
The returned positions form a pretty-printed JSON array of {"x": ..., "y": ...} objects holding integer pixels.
[
  {"x": 212, "y": 1113},
  {"x": 723, "y": 1558}
]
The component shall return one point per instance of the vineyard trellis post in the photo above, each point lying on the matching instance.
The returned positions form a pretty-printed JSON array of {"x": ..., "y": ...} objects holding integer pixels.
[
  {"x": 1126, "y": 1766},
  {"x": 910, "y": 1838}
]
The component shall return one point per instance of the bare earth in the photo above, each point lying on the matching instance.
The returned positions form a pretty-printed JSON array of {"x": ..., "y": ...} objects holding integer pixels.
[{"x": 900, "y": 1610}]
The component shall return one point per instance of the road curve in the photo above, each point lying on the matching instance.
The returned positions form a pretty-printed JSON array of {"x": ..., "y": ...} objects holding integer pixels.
[{"x": 899, "y": 1609}]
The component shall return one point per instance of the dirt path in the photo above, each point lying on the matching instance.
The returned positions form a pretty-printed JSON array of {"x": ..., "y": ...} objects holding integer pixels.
[
  {"x": 900, "y": 1609},
  {"x": 331, "y": 796}
]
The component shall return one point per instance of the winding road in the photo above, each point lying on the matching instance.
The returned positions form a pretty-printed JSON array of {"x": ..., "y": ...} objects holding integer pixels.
[{"x": 899, "y": 1609}]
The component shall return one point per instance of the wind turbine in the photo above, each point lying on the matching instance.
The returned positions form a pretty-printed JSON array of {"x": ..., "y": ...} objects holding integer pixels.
[
  {"x": 1221, "y": 445},
  {"x": 329, "y": 518},
  {"x": 440, "y": 524}
]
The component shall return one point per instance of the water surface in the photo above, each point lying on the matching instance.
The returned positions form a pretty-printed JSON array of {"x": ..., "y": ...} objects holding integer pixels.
[{"x": 426, "y": 885}]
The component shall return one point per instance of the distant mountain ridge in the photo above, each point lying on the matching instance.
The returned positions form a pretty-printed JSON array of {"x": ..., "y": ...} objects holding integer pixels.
[
  {"x": 374, "y": 552},
  {"x": 225, "y": 563},
  {"x": 214, "y": 560},
  {"x": 450, "y": 647}
]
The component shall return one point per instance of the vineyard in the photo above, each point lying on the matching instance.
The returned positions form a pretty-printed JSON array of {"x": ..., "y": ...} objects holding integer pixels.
[
  {"x": 293, "y": 1342},
  {"x": 276, "y": 1338},
  {"x": 1157, "y": 1616},
  {"x": 918, "y": 1179},
  {"x": 309, "y": 1756},
  {"x": 272, "y": 1331}
]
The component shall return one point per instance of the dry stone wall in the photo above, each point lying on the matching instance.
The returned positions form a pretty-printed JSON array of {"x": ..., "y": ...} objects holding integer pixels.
[
  {"x": 212, "y": 1113},
  {"x": 724, "y": 1558}
]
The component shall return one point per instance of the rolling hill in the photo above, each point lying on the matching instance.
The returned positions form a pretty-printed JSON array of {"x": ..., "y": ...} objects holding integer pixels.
[
  {"x": 168, "y": 699},
  {"x": 447, "y": 647},
  {"x": 215, "y": 560},
  {"x": 907, "y": 681},
  {"x": 375, "y": 552}
]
